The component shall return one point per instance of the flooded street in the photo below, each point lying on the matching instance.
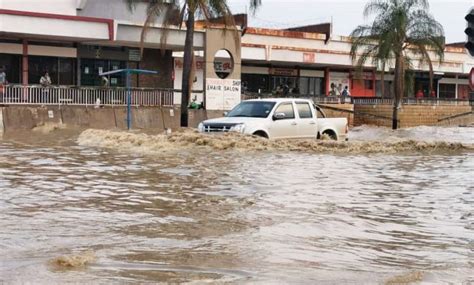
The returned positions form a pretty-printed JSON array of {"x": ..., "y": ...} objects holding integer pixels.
[{"x": 201, "y": 214}]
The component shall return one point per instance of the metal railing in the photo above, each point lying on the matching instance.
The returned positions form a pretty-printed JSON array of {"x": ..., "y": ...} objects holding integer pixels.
[
  {"x": 412, "y": 101},
  {"x": 362, "y": 100},
  {"x": 84, "y": 96},
  {"x": 316, "y": 98}
]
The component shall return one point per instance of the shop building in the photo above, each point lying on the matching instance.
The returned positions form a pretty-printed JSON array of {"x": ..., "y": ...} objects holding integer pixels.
[
  {"x": 312, "y": 62},
  {"x": 75, "y": 40}
]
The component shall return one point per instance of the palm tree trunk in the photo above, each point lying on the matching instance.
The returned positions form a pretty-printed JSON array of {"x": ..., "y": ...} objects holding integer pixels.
[
  {"x": 382, "y": 81},
  {"x": 431, "y": 78},
  {"x": 398, "y": 90},
  {"x": 187, "y": 68}
]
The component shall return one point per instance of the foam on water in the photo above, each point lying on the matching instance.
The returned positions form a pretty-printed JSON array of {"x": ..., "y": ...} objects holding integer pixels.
[
  {"x": 154, "y": 144},
  {"x": 73, "y": 261},
  {"x": 48, "y": 128},
  {"x": 407, "y": 278}
]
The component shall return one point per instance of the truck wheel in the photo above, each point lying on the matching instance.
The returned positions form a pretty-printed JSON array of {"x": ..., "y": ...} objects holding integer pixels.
[
  {"x": 261, "y": 134},
  {"x": 329, "y": 134}
]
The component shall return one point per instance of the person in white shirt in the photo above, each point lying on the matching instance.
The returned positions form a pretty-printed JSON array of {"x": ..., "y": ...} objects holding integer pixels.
[
  {"x": 3, "y": 77},
  {"x": 45, "y": 80},
  {"x": 3, "y": 80}
]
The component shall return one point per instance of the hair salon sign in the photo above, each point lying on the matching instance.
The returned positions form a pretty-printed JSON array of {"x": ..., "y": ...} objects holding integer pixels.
[{"x": 222, "y": 94}]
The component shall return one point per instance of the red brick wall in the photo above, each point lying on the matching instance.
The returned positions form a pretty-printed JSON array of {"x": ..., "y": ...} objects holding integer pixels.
[{"x": 410, "y": 115}]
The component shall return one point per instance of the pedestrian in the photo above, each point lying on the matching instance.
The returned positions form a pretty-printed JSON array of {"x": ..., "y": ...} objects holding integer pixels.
[
  {"x": 339, "y": 90},
  {"x": 419, "y": 94},
  {"x": 3, "y": 76},
  {"x": 3, "y": 80},
  {"x": 333, "y": 92},
  {"x": 105, "y": 81},
  {"x": 286, "y": 89},
  {"x": 45, "y": 82},
  {"x": 346, "y": 94}
]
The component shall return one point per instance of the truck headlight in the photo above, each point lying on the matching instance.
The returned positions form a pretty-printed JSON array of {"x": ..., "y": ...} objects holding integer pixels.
[
  {"x": 240, "y": 128},
  {"x": 201, "y": 128}
]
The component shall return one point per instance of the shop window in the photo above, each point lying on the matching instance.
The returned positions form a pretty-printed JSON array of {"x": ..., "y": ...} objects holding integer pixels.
[
  {"x": 91, "y": 68},
  {"x": 255, "y": 83},
  {"x": 283, "y": 82},
  {"x": 318, "y": 85},
  {"x": 67, "y": 71},
  {"x": 305, "y": 85},
  {"x": 60, "y": 70},
  {"x": 387, "y": 87},
  {"x": 39, "y": 65},
  {"x": 463, "y": 92},
  {"x": 368, "y": 84},
  {"x": 447, "y": 91},
  {"x": 11, "y": 65}
]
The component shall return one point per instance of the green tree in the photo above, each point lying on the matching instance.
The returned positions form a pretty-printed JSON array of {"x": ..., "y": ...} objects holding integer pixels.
[
  {"x": 176, "y": 12},
  {"x": 401, "y": 30}
]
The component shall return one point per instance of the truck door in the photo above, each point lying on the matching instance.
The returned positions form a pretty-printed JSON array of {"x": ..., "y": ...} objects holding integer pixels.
[
  {"x": 286, "y": 127},
  {"x": 307, "y": 127}
]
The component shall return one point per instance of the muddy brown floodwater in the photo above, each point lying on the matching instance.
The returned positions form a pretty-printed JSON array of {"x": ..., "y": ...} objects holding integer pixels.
[{"x": 102, "y": 207}]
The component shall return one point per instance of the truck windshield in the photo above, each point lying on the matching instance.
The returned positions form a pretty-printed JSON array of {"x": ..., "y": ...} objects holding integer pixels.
[{"x": 253, "y": 109}]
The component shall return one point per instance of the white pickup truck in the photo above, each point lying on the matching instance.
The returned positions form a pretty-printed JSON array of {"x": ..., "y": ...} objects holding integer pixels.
[{"x": 278, "y": 119}]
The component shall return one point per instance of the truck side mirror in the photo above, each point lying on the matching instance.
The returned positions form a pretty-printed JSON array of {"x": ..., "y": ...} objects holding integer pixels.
[
  {"x": 225, "y": 114},
  {"x": 279, "y": 116}
]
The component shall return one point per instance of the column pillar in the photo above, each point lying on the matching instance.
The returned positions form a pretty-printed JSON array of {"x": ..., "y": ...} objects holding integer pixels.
[
  {"x": 25, "y": 63},
  {"x": 78, "y": 71},
  {"x": 25, "y": 69},
  {"x": 326, "y": 80},
  {"x": 374, "y": 92}
]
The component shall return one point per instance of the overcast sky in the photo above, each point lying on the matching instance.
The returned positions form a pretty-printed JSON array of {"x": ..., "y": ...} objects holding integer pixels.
[{"x": 346, "y": 14}]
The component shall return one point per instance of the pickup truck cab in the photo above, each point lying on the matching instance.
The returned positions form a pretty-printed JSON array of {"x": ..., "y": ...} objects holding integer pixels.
[{"x": 278, "y": 119}]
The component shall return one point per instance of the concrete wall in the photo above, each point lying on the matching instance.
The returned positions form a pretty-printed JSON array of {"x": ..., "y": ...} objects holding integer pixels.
[
  {"x": 411, "y": 115},
  {"x": 14, "y": 118},
  {"x": 26, "y": 118},
  {"x": 64, "y": 7},
  {"x": 36, "y": 26},
  {"x": 114, "y": 9}
]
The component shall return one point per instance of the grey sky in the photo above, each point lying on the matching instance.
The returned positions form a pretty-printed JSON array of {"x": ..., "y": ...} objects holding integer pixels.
[{"x": 346, "y": 14}]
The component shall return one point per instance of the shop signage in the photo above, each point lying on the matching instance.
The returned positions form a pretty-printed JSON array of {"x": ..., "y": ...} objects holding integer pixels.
[
  {"x": 283, "y": 71},
  {"x": 309, "y": 57},
  {"x": 222, "y": 94},
  {"x": 134, "y": 55},
  {"x": 220, "y": 66}
]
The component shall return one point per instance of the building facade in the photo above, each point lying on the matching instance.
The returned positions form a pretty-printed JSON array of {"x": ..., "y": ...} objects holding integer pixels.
[
  {"x": 75, "y": 40},
  {"x": 312, "y": 64}
]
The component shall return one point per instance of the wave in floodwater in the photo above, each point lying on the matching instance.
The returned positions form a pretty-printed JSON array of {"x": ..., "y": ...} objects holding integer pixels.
[
  {"x": 197, "y": 215},
  {"x": 154, "y": 144},
  {"x": 464, "y": 135}
]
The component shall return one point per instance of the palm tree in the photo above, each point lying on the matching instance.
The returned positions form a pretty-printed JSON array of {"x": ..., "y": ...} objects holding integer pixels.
[
  {"x": 401, "y": 30},
  {"x": 175, "y": 12}
]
